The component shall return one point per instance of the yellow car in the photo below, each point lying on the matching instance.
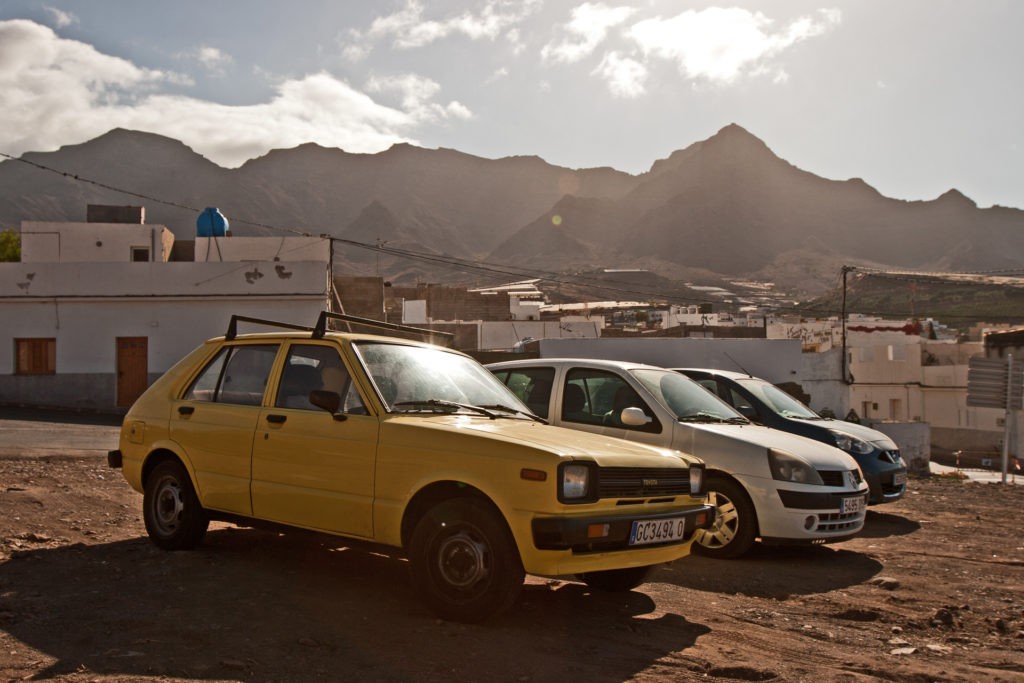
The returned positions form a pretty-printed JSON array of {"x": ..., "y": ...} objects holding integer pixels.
[{"x": 405, "y": 444}]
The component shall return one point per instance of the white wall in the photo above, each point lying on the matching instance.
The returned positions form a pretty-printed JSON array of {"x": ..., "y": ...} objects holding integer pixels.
[
  {"x": 44, "y": 242},
  {"x": 20, "y": 280},
  {"x": 86, "y": 330},
  {"x": 262, "y": 249},
  {"x": 504, "y": 335},
  {"x": 776, "y": 360}
]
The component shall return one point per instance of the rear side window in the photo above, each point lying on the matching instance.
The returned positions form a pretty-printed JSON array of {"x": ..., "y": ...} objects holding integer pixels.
[
  {"x": 531, "y": 385},
  {"x": 236, "y": 375}
]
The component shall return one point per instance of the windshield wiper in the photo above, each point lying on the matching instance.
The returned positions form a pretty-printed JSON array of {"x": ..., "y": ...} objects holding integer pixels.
[
  {"x": 802, "y": 417},
  {"x": 702, "y": 417},
  {"x": 439, "y": 403},
  {"x": 509, "y": 409}
]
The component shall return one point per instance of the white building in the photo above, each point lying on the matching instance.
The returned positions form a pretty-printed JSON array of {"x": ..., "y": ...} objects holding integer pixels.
[{"x": 95, "y": 312}]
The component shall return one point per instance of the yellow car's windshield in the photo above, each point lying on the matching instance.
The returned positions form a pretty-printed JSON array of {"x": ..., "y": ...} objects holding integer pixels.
[{"x": 410, "y": 377}]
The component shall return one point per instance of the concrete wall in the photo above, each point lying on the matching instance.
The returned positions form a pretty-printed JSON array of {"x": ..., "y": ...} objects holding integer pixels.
[
  {"x": 776, "y": 360},
  {"x": 503, "y": 336},
  {"x": 45, "y": 242},
  {"x": 27, "y": 280},
  {"x": 86, "y": 332},
  {"x": 820, "y": 377},
  {"x": 262, "y": 249},
  {"x": 914, "y": 440}
]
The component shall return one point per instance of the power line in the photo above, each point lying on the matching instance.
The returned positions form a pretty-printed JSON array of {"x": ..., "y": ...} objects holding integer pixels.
[{"x": 504, "y": 270}]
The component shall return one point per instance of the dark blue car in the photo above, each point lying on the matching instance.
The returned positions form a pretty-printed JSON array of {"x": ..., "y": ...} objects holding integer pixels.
[{"x": 763, "y": 402}]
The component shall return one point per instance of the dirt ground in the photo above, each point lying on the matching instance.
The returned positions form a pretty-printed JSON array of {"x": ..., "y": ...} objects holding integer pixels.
[{"x": 931, "y": 590}]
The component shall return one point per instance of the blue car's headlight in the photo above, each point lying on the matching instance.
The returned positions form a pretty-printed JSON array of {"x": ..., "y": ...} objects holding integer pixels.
[{"x": 851, "y": 444}]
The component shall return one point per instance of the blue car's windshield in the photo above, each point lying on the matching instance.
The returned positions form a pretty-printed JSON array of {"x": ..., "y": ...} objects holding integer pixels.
[
  {"x": 778, "y": 400},
  {"x": 686, "y": 399}
]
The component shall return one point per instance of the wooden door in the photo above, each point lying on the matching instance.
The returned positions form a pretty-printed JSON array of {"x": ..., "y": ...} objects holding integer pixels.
[{"x": 132, "y": 369}]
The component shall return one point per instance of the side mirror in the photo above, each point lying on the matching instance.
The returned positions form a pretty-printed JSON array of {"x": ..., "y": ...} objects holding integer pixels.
[
  {"x": 329, "y": 401},
  {"x": 634, "y": 417}
]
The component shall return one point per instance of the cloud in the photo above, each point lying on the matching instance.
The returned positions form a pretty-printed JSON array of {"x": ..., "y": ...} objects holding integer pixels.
[
  {"x": 409, "y": 29},
  {"x": 213, "y": 60},
  {"x": 60, "y": 17},
  {"x": 589, "y": 26},
  {"x": 416, "y": 93},
  {"x": 625, "y": 76},
  {"x": 721, "y": 45},
  {"x": 55, "y": 91}
]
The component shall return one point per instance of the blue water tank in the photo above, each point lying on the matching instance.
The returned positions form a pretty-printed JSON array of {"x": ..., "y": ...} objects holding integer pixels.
[{"x": 212, "y": 223}]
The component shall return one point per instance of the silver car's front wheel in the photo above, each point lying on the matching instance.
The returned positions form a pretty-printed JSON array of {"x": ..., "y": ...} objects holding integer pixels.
[{"x": 735, "y": 526}]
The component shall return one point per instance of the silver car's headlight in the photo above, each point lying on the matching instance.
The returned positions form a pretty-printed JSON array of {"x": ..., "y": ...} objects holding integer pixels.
[
  {"x": 851, "y": 444},
  {"x": 786, "y": 467}
]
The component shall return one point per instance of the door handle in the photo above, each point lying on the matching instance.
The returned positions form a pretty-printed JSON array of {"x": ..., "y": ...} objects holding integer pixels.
[
  {"x": 186, "y": 410},
  {"x": 276, "y": 419}
]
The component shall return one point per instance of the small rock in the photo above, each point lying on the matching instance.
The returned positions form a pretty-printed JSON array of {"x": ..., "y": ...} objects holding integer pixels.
[
  {"x": 886, "y": 582},
  {"x": 943, "y": 617},
  {"x": 897, "y": 629},
  {"x": 1001, "y": 625},
  {"x": 903, "y": 651},
  {"x": 941, "y": 649}
]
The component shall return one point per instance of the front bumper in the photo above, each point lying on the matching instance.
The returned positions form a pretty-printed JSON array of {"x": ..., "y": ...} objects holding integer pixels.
[
  {"x": 601, "y": 534},
  {"x": 883, "y": 486}
]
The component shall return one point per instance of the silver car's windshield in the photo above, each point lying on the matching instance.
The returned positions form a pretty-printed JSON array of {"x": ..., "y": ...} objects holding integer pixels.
[
  {"x": 411, "y": 378},
  {"x": 686, "y": 399},
  {"x": 778, "y": 400}
]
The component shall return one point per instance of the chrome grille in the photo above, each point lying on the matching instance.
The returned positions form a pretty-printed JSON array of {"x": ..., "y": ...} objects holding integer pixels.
[{"x": 643, "y": 482}]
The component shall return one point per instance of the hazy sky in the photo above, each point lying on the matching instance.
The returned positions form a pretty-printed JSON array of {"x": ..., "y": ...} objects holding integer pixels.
[{"x": 914, "y": 96}]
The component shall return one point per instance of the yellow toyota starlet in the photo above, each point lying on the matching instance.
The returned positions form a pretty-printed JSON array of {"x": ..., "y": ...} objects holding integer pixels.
[{"x": 407, "y": 444}]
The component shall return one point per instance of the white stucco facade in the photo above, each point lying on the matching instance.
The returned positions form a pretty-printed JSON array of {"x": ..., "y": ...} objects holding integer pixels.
[{"x": 78, "y": 291}]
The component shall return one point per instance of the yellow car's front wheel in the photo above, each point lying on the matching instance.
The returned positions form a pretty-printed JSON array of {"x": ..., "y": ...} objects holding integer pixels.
[{"x": 464, "y": 561}]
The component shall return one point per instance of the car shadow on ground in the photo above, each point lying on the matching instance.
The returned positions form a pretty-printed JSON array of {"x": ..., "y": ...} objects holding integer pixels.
[
  {"x": 886, "y": 524},
  {"x": 254, "y": 605},
  {"x": 810, "y": 569}
]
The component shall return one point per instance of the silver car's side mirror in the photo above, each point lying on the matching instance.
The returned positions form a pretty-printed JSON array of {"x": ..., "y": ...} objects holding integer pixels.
[{"x": 634, "y": 417}]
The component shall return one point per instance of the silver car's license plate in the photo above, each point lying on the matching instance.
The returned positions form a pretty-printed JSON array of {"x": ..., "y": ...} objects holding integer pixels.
[
  {"x": 658, "y": 531},
  {"x": 851, "y": 505},
  {"x": 899, "y": 479}
]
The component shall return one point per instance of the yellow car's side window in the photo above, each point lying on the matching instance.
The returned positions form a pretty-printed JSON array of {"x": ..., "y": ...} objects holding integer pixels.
[
  {"x": 313, "y": 367},
  {"x": 237, "y": 375}
]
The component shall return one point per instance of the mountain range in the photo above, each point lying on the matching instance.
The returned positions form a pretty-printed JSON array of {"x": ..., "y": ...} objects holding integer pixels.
[{"x": 723, "y": 209}]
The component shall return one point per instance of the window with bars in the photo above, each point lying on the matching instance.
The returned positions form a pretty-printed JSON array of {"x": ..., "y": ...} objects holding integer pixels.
[{"x": 35, "y": 356}]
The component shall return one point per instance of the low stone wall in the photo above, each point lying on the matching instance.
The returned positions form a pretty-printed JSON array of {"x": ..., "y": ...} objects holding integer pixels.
[{"x": 914, "y": 440}]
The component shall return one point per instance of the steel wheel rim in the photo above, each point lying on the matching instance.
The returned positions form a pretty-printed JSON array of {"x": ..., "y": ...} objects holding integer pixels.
[
  {"x": 462, "y": 560},
  {"x": 168, "y": 506},
  {"x": 726, "y": 524}
]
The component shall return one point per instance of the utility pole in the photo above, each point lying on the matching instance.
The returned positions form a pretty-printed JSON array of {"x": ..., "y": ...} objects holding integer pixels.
[
  {"x": 846, "y": 375},
  {"x": 383, "y": 298}
]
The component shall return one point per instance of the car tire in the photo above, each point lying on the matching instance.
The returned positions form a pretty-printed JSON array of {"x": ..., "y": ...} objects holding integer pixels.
[
  {"x": 464, "y": 561},
  {"x": 735, "y": 526},
  {"x": 174, "y": 518},
  {"x": 616, "y": 580}
]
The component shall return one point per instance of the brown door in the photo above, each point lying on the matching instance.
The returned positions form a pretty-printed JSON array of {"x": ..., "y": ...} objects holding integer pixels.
[{"x": 132, "y": 369}]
